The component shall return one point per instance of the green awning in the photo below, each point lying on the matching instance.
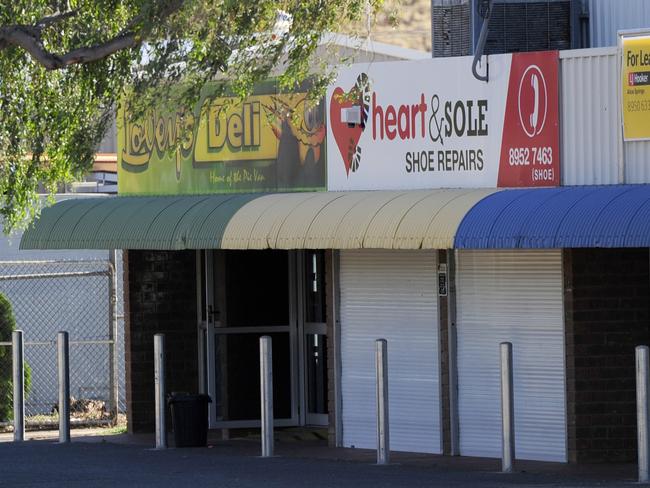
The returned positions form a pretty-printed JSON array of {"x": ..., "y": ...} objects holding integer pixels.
[{"x": 160, "y": 222}]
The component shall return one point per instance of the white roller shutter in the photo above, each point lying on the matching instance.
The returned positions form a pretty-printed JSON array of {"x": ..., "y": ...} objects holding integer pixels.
[
  {"x": 511, "y": 296},
  {"x": 391, "y": 295}
]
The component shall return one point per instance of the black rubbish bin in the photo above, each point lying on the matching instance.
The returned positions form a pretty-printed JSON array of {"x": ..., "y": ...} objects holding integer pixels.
[{"x": 189, "y": 419}]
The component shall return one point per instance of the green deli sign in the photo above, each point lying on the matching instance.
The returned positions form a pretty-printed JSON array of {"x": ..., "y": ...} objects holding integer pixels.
[{"x": 269, "y": 142}]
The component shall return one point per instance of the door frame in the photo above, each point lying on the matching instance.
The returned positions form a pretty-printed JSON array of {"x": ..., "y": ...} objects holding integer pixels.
[
  {"x": 304, "y": 329},
  {"x": 297, "y": 329},
  {"x": 210, "y": 328}
]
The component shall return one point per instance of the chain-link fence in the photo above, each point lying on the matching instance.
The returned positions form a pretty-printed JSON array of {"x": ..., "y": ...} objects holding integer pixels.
[{"x": 75, "y": 296}]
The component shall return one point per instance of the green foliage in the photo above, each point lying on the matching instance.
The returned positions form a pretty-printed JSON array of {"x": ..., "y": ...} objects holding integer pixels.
[
  {"x": 56, "y": 102},
  {"x": 7, "y": 326}
]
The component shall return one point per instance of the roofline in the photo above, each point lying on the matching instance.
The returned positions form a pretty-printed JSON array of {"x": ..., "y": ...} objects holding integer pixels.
[{"x": 367, "y": 44}]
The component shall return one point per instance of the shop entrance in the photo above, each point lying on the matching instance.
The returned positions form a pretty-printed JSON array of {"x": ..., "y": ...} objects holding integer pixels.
[{"x": 248, "y": 294}]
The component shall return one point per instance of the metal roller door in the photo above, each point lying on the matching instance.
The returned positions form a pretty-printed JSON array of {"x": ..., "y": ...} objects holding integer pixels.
[
  {"x": 511, "y": 296},
  {"x": 391, "y": 295}
]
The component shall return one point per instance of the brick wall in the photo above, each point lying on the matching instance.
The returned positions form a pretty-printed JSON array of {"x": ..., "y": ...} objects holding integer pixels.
[
  {"x": 607, "y": 307},
  {"x": 160, "y": 297}
]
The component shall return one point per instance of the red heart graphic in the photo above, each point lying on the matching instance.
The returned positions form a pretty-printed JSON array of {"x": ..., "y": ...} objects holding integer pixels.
[{"x": 346, "y": 136}]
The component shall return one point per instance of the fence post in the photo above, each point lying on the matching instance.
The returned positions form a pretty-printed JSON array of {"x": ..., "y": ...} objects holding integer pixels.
[
  {"x": 63, "y": 356},
  {"x": 113, "y": 336},
  {"x": 507, "y": 409},
  {"x": 266, "y": 390},
  {"x": 383, "y": 432},
  {"x": 642, "y": 410},
  {"x": 18, "y": 368},
  {"x": 159, "y": 380}
]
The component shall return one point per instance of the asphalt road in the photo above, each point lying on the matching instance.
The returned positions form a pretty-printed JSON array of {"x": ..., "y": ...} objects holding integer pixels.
[{"x": 82, "y": 464}]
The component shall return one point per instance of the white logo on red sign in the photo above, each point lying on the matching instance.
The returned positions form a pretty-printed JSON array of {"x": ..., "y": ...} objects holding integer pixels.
[{"x": 533, "y": 101}]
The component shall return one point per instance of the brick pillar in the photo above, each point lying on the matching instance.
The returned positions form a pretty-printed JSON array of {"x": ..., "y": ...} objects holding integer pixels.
[
  {"x": 161, "y": 298},
  {"x": 607, "y": 308}
]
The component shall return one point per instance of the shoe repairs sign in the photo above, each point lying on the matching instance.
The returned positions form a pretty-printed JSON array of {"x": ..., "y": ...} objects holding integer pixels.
[
  {"x": 432, "y": 124},
  {"x": 635, "y": 86}
]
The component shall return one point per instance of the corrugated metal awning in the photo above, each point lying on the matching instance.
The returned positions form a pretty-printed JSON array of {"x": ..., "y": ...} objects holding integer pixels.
[
  {"x": 425, "y": 219},
  {"x": 165, "y": 223},
  {"x": 585, "y": 216}
]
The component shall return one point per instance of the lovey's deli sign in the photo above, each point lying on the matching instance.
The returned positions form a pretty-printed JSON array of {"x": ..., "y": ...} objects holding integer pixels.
[{"x": 431, "y": 124}]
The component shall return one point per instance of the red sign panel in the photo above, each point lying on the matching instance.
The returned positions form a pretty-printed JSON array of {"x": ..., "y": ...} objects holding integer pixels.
[{"x": 530, "y": 148}]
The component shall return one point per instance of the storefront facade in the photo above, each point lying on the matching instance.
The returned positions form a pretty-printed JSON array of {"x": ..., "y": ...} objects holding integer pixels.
[{"x": 412, "y": 230}]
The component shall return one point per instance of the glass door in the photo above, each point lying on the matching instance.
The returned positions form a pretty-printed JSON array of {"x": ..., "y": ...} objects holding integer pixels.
[{"x": 248, "y": 296}]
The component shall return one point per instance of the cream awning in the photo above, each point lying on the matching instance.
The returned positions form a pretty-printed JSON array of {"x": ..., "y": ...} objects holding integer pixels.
[{"x": 415, "y": 219}]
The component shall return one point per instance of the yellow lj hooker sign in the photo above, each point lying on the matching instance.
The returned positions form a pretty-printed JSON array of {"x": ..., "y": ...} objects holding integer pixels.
[{"x": 635, "y": 84}]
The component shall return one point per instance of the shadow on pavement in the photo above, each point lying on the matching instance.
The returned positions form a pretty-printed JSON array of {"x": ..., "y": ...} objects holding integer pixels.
[{"x": 129, "y": 460}]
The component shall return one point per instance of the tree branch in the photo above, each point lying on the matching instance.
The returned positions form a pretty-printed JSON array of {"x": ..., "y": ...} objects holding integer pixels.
[
  {"x": 100, "y": 51},
  {"x": 53, "y": 19},
  {"x": 28, "y": 37}
]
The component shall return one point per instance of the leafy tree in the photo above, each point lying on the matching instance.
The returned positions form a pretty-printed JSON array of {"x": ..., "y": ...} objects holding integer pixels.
[
  {"x": 7, "y": 326},
  {"x": 65, "y": 64}
]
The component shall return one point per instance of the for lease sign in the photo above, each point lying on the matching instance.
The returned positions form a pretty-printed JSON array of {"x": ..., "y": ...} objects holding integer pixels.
[
  {"x": 635, "y": 86},
  {"x": 431, "y": 124}
]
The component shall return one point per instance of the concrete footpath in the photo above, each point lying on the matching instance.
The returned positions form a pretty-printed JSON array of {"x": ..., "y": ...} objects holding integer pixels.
[{"x": 123, "y": 460}]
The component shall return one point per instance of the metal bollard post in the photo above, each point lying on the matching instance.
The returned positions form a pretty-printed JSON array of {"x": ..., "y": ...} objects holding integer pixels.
[
  {"x": 18, "y": 367},
  {"x": 159, "y": 382},
  {"x": 266, "y": 392},
  {"x": 113, "y": 363},
  {"x": 383, "y": 437},
  {"x": 507, "y": 409},
  {"x": 63, "y": 362},
  {"x": 642, "y": 411}
]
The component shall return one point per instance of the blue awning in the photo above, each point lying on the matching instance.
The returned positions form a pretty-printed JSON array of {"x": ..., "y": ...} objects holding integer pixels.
[{"x": 586, "y": 216}]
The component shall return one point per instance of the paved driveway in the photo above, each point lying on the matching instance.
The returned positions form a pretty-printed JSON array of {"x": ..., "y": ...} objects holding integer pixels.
[{"x": 118, "y": 463}]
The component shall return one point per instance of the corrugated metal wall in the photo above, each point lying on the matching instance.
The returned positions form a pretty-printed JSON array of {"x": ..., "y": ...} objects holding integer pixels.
[
  {"x": 607, "y": 17},
  {"x": 637, "y": 162},
  {"x": 593, "y": 152},
  {"x": 589, "y": 115}
]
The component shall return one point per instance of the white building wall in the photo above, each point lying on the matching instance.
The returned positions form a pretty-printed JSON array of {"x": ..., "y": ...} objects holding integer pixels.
[
  {"x": 589, "y": 117},
  {"x": 607, "y": 17},
  {"x": 593, "y": 151},
  {"x": 637, "y": 162}
]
